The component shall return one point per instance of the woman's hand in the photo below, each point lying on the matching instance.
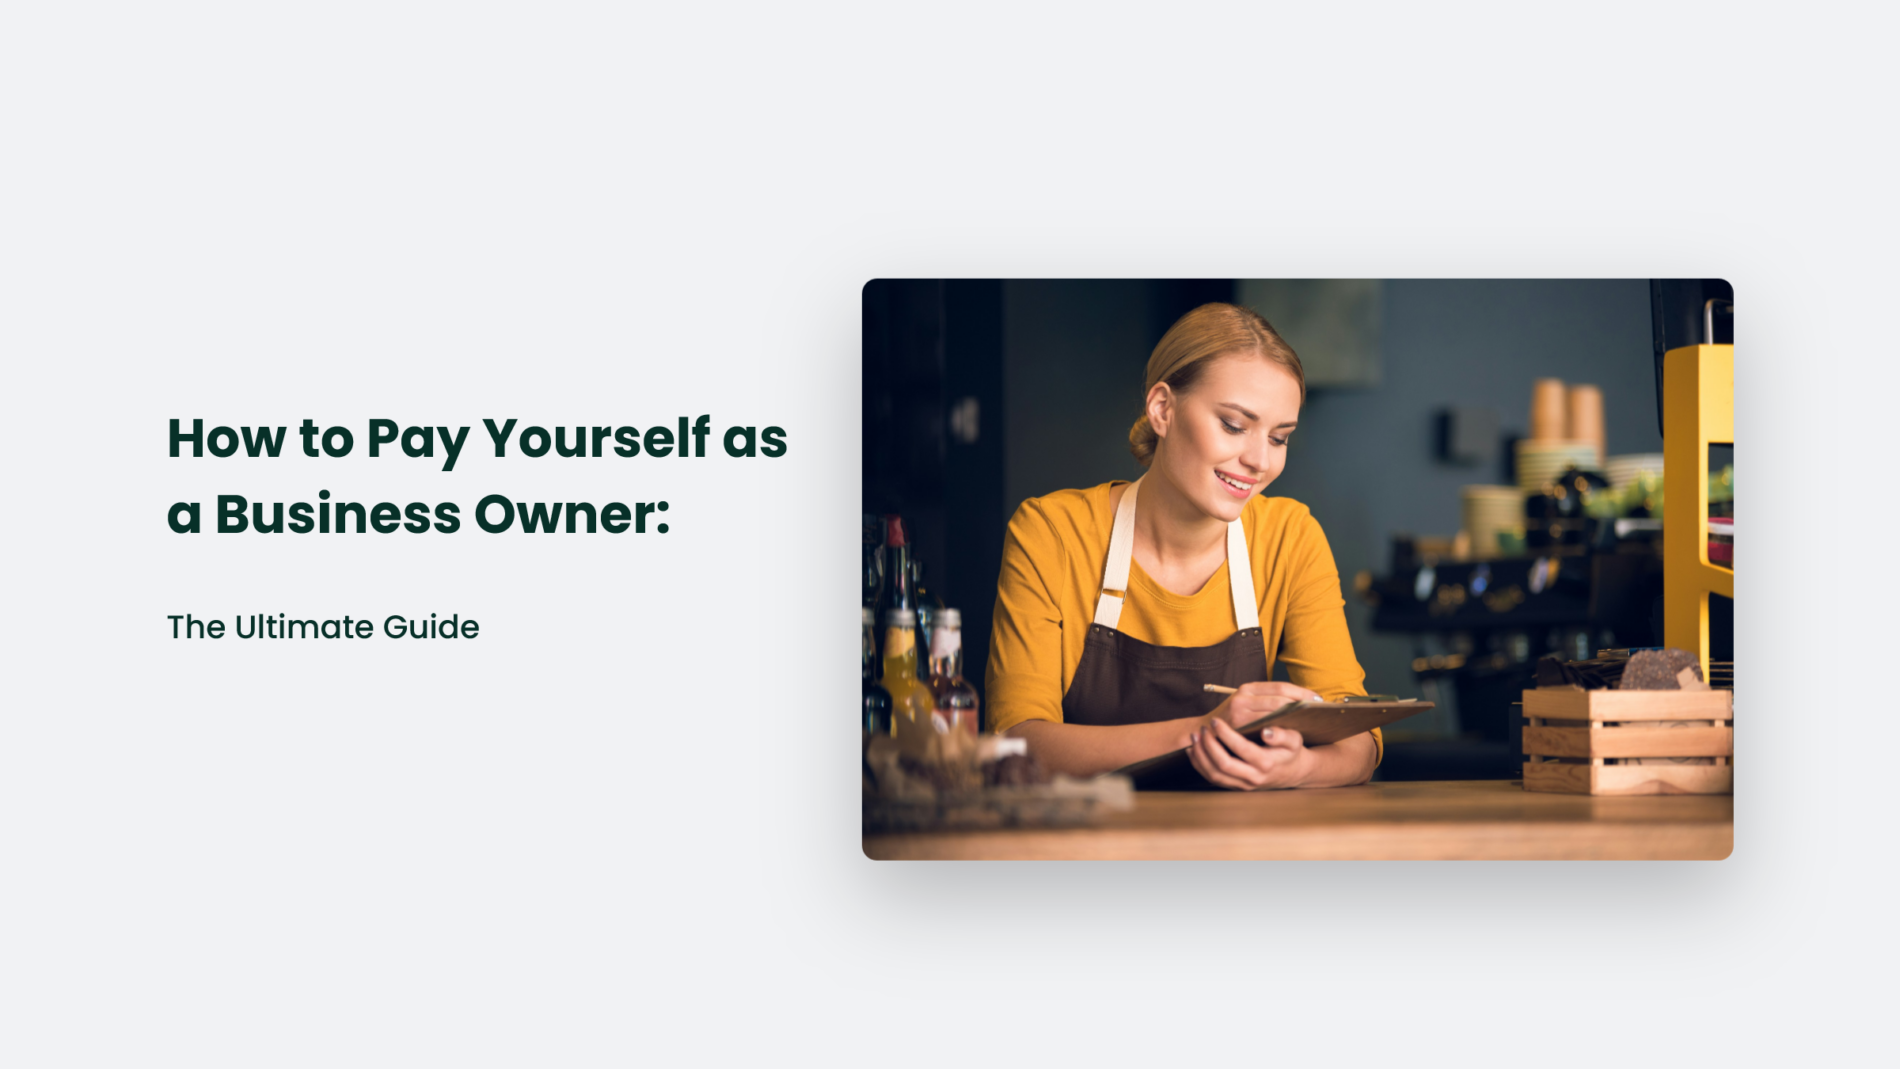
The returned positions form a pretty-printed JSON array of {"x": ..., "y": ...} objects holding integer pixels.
[
  {"x": 1256, "y": 700},
  {"x": 1227, "y": 759}
]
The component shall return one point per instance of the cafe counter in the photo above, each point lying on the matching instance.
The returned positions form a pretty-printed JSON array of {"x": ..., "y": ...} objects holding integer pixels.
[{"x": 1478, "y": 819}]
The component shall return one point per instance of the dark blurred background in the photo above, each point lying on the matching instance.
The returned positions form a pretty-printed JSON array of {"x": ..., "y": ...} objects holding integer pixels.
[{"x": 981, "y": 393}]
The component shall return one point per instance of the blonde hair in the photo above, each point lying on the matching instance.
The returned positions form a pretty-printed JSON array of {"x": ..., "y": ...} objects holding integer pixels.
[{"x": 1192, "y": 344}]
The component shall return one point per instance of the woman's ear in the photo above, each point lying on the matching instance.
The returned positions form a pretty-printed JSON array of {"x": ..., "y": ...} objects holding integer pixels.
[{"x": 1160, "y": 408}]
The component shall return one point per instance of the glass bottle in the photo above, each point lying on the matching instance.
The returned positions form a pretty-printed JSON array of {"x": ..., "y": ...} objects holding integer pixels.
[
  {"x": 873, "y": 538},
  {"x": 927, "y": 606},
  {"x": 912, "y": 701},
  {"x": 897, "y": 589},
  {"x": 956, "y": 700},
  {"x": 877, "y": 700}
]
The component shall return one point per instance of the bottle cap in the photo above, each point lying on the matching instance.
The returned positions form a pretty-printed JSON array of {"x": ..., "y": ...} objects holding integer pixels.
[
  {"x": 893, "y": 530},
  {"x": 899, "y": 618},
  {"x": 949, "y": 618}
]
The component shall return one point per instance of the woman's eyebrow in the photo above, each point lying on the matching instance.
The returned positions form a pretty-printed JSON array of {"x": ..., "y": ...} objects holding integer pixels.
[{"x": 1229, "y": 404}]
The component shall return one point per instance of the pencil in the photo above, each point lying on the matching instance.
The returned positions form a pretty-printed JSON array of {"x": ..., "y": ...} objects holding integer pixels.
[{"x": 1216, "y": 688}]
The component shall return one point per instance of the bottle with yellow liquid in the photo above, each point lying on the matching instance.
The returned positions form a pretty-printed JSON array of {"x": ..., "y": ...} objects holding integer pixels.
[{"x": 912, "y": 700}]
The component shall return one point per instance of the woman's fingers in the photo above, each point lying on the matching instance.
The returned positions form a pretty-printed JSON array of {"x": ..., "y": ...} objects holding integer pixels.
[
  {"x": 1244, "y": 749},
  {"x": 1226, "y": 758},
  {"x": 1273, "y": 765},
  {"x": 1286, "y": 692},
  {"x": 1249, "y": 708},
  {"x": 1226, "y": 770},
  {"x": 1218, "y": 753},
  {"x": 1255, "y": 700},
  {"x": 1282, "y": 738},
  {"x": 1197, "y": 751}
]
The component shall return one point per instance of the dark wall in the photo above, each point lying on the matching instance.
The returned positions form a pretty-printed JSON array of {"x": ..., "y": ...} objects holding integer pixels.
[
  {"x": 1074, "y": 357},
  {"x": 1363, "y": 459},
  {"x": 904, "y": 442},
  {"x": 928, "y": 346}
]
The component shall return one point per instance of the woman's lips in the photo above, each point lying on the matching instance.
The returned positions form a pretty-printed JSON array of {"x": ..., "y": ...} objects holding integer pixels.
[{"x": 1234, "y": 484}]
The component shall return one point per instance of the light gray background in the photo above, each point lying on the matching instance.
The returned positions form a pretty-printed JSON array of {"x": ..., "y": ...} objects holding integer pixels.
[{"x": 621, "y": 827}]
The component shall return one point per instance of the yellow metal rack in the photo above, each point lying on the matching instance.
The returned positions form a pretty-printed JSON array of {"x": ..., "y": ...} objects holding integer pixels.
[{"x": 1698, "y": 411}]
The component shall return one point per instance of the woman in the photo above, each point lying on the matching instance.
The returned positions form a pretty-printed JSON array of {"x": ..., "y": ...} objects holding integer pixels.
[{"x": 1110, "y": 619}]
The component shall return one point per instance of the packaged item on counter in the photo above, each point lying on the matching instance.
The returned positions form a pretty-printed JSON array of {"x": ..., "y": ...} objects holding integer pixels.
[
  {"x": 1009, "y": 764},
  {"x": 1662, "y": 670},
  {"x": 1641, "y": 669},
  {"x": 955, "y": 780}
]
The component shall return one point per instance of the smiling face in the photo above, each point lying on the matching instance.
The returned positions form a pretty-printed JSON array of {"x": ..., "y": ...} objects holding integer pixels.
[{"x": 1224, "y": 439}]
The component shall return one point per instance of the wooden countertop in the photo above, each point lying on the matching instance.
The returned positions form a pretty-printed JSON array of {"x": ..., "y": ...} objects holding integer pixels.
[{"x": 1452, "y": 819}]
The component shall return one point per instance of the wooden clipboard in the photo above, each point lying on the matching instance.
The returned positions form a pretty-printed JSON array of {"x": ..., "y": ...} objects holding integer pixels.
[{"x": 1317, "y": 722}]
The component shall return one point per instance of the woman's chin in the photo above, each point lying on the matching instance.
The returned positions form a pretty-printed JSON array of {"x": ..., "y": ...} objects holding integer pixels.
[{"x": 1226, "y": 508}]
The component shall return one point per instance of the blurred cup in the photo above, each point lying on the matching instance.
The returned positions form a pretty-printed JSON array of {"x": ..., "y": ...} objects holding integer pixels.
[
  {"x": 1550, "y": 411},
  {"x": 1487, "y": 510},
  {"x": 1585, "y": 416}
]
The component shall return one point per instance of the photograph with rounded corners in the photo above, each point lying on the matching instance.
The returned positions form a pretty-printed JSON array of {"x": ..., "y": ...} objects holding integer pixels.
[{"x": 1298, "y": 569}]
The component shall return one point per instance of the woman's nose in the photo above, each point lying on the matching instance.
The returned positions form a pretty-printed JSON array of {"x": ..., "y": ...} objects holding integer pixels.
[{"x": 1258, "y": 454}]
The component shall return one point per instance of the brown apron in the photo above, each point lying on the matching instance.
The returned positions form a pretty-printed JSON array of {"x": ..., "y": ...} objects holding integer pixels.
[{"x": 1123, "y": 680}]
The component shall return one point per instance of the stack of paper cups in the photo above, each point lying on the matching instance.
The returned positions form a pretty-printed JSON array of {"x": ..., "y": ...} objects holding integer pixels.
[
  {"x": 1586, "y": 417},
  {"x": 1626, "y": 469},
  {"x": 1539, "y": 463},
  {"x": 1550, "y": 411},
  {"x": 1489, "y": 511}
]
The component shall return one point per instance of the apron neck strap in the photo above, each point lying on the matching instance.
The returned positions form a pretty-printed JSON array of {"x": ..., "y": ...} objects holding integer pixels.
[
  {"x": 1240, "y": 578},
  {"x": 1121, "y": 550}
]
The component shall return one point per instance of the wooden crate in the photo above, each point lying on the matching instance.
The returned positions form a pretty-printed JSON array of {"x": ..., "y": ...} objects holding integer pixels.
[
  {"x": 1629, "y": 741},
  {"x": 1564, "y": 778}
]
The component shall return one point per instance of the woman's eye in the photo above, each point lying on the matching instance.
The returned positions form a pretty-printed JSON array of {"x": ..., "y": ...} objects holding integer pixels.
[
  {"x": 1231, "y": 428},
  {"x": 1277, "y": 441}
]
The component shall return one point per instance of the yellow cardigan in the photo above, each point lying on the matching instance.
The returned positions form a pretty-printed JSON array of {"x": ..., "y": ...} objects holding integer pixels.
[{"x": 1053, "y": 556}]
